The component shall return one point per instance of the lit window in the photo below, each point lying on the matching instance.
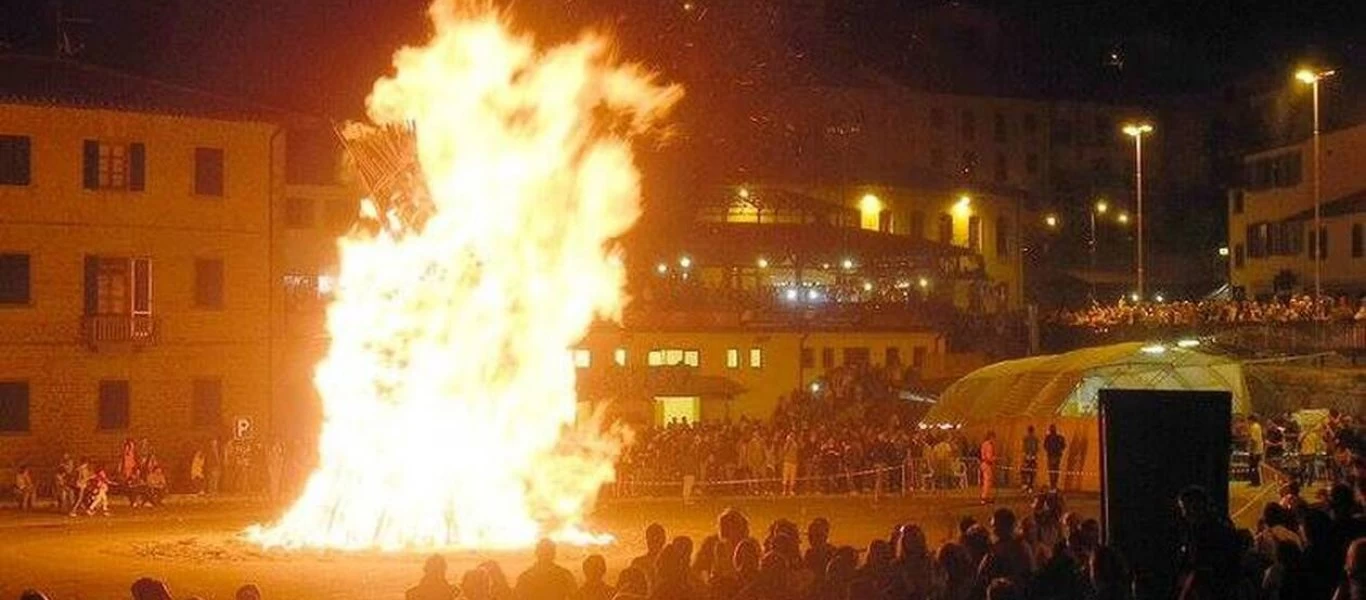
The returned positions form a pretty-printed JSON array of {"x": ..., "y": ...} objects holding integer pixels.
[
  {"x": 582, "y": 358},
  {"x": 756, "y": 358},
  {"x": 619, "y": 357},
  {"x": 732, "y": 358},
  {"x": 674, "y": 357}
]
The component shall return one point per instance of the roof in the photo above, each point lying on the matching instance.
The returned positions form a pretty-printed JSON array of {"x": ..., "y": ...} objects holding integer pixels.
[
  {"x": 1067, "y": 384},
  {"x": 1351, "y": 204},
  {"x": 44, "y": 81}
]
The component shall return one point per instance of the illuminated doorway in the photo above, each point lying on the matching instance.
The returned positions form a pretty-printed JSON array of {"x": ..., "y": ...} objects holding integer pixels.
[{"x": 686, "y": 409}]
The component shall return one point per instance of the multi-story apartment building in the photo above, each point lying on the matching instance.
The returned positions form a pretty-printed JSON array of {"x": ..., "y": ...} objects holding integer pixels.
[
  {"x": 1271, "y": 237},
  {"x": 140, "y": 272}
]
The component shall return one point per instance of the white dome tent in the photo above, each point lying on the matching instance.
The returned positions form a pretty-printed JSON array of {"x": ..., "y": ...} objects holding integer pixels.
[{"x": 1063, "y": 389}]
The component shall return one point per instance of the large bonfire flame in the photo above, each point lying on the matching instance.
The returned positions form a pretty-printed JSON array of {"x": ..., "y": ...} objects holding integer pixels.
[{"x": 448, "y": 390}]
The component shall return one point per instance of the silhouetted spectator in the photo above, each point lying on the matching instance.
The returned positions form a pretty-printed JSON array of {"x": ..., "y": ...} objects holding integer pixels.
[
  {"x": 1008, "y": 557},
  {"x": 32, "y": 595},
  {"x": 545, "y": 580},
  {"x": 475, "y": 585},
  {"x": 248, "y": 592},
  {"x": 1354, "y": 573},
  {"x": 655, "y": 539},
  {"x": 819, "y": 550},
  {"x": 1004, "y": 589},
  {"x": 594, "y": 587},
  {"x": 632, "y": 585},
  {"x": 1109, "y": 575},
  {"x": 1209, "y": 552},
  {"x": 433, "y": 585},
  {"x": 150, "y": 589}
]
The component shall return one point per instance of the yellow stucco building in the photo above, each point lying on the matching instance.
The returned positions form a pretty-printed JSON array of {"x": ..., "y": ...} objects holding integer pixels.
[{"x": 1271, "y": 218}]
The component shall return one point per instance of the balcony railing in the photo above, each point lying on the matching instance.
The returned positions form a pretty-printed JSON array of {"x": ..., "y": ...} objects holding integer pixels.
[{"x": 138, "y": 330}]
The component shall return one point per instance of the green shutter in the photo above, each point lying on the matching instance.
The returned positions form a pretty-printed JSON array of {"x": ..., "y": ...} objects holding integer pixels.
[
  {"x": 137, "y": 164},
  {"x": 91, "y": 165}
]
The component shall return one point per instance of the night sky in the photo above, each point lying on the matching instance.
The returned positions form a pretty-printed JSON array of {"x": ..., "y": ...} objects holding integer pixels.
[{"x": 322, "y": 55}]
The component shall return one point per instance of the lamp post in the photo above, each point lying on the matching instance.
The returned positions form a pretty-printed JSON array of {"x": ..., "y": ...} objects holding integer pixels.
[
  {"x": 1312, "y": 77},
  {"x": 1098, "y": 209},
  {"x": 1136, "y": 131}
]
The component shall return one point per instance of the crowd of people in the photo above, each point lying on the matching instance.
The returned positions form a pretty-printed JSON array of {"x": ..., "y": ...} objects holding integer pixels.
[
  {"x": 1295, "y": 309},
  {"x": 86, "y": 485},
  {"x": 1299, "y": 551}
]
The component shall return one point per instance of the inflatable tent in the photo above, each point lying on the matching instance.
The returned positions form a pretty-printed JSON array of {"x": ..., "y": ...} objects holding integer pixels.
[{"x": 1062, "y": 389}]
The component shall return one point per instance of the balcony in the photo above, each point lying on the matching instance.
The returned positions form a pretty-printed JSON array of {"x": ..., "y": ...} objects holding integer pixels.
[{"x": 111, "y": 330}]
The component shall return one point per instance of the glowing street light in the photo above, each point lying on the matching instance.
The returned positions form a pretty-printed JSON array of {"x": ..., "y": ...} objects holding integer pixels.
[
  {"x": 1051, "y": 221},
  {"x": 744, "y": 193},
  {"x": 923, "y": 283},
  {"x": 847, "y": 264},
  {"x": 685, "y": 262},
  {"x": 1223, "y": 251},
  {"x": 661, "y": 268},
  {"x": 1137, "y": 131},
  {"x": 867, "y": 286},
  {"x": 1123, "y": 218},
  {"x": 762, "y": 262},
  {"x": 1312, "y": 77},
  {"x": 1100, "y": 208}
]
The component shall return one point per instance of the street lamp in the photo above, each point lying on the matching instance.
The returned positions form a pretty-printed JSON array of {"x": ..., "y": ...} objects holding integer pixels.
[
  {"x": 1136, "y": 131},
  {"x": 1312, "y": 77},
  {"x": 1099, "y": 209}
]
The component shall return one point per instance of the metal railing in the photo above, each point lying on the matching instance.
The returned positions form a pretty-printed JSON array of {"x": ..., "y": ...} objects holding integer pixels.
[{"x": 116, "y": 329}]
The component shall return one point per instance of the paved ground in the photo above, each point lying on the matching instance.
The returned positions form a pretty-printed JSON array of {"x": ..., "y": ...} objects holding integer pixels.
[{"x": 195, "y": 546}]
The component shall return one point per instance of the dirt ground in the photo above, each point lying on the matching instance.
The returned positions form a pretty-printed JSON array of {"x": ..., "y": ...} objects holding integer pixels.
[{"x": 195, "y": 545}]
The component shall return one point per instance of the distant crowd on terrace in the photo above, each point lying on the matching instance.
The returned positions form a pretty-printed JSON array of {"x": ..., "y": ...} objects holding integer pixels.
[{"x": 1101, "y": 317}]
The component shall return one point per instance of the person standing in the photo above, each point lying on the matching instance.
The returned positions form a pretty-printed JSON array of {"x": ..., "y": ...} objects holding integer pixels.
[
  {"x": 987, "y": 468},
  {"x": 62, "y": 480},
  {"x": 99, "y": 494},
  {"x": 790, "y": 458},
  {"x": 84, "y": 475},
  {"x": 213, "y": 467},
  {"x": 24, "y": 489},
  {"x": 197, "y": 472},
  {"x": 1029, "y": 467},
  {"x": 1256, "y": 447},
  {"x": 275, "y": 468},
  {"x": 1053, "y": 446},
  {"x": 433, "y": 585}
]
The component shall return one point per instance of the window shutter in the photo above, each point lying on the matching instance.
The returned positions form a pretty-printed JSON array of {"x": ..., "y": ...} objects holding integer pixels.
[
  {"x": 91, "y": 165},
  {"x": 137, "y": 162},
  {"x": 92, "y": 284}
]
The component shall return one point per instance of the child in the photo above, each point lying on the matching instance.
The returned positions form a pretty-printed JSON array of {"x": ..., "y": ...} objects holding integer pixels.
[{"x": 99, "y": 493}]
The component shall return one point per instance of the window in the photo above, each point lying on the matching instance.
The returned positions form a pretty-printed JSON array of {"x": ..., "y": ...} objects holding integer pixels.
[
  {"x": 673, "y": 357},
  {"x": 118, "y": 286},
  {"x": 1256, "y": 235},
  {"x": 208, "y": 171},
  {"x": 892, "y": 358},
  {"x": 1324, "y": 248},
  {"x": 1276, "y": 171},
  {"x": 1002, "y": 170},
  {"x": 828, "y": 358},
  {"x": 918, "y": 357},
  {"x": 1238, "y": 256},
  {"x": 1238, "y": 202},
  {"x": 207, "y": 410},
  {"x": 619, "y": 357},
  {"x": 945, "y": 229},
  {"x": 208, "y": 283},
  {"x": 858, "y": 355},
  {"x": 113, "y": 408},
  {"x": 969, "y": 125},
  {"x": 999, "y": 130},
  {"x": 114, "y": 166},
  {"x": 15, "y": 160},
  {"x": 936, "y": 118},
  {"x": 808, "y": 358},
  {"x": 1002, "y": 237},
  {"x": 1031, "y": 124},
  {"x": 918, "y": 224},
  {"x": 15, "y": 282},
  {"x": 937, "y": 158},
  {"x": 975, "y": 233},
  {"x": 582, "y": 358},
  {"x": 1032, "y": 163},
  {"x": 13, "y": 406},
  {"x": 732, "y": 358},
  {"x": 1356, "y": 240},
  {"x": 756, "y": 358},
  {"x": 969, "y": 163},
  {"x": 299, "y": 213}
]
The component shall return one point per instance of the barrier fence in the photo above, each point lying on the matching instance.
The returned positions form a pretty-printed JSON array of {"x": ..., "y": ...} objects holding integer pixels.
[{"x": 912, "y": 476}]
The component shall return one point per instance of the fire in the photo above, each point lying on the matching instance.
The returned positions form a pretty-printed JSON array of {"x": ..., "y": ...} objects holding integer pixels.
[{"x": 449, "y": 401}]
